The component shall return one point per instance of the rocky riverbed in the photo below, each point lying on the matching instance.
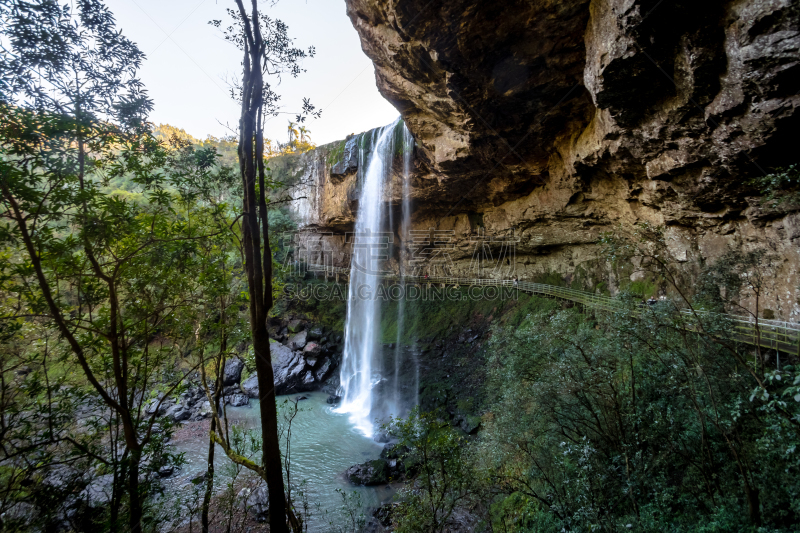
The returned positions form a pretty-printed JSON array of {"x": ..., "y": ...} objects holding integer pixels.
[{"x": 304, "y": 358}]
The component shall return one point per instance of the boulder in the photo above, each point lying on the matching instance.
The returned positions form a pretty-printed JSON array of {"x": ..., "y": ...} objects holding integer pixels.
[
  {"x": 374, "y": 472},
  {"x": 297, "y": 341},
  {"x": 238, "y": 400},
  {"x": 290, "y": 371},
  {"x": 312, "y": 349},
  {"x": 397, "y": 460},
  {"x": 331, "y": 384},
  {"x": 315, "y": 333},
  {"x": 322, "y": 372},
  {"x": 19, "y": 513},
  {"x": 98, "y": 492},
  {"x": 231, "y": 390},
  {"x": 205, "y": 410},
  {"x": 152, "y": 405},
  {"x": 233, "y": 371},
  {"x": 166, "y": 471},
  {"x": 250, "y": 386},
  {"x": 178, "y": 413},
  {"x": 333, "y": 399},
  {"x": 257, "y": 503},
  {"x": 295, "y": 326}
]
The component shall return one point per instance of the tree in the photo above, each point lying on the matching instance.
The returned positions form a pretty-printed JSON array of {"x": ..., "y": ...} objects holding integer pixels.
[
  {"x": 76, "y": 73},
  {"x": 304, "y": 133},
  {"x": 293, "y": 134},
  {"x": 111, "y": 275},
  {"x": 267, "y": 51}
]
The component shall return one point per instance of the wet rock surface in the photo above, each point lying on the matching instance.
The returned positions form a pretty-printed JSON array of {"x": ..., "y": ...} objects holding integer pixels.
[
  {"x": 374, "y": 472},
  {"x": 298, "y": 340},
  {"x": 333, "y": 399},
  {"x": 238, "y": 400}
]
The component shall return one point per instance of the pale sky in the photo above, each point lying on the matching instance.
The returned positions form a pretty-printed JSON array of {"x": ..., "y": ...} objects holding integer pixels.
[{"x": 188, "y": 62}]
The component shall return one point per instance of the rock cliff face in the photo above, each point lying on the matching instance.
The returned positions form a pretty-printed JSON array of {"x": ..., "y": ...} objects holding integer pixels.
[{"x": 556, "y": 120}]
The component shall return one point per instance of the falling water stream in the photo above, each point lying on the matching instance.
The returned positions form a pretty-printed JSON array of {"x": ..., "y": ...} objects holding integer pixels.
[{"x": 363, "y": 365}]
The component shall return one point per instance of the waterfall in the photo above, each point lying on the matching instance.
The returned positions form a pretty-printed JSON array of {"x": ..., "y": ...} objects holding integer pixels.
[
  {"x": 367, "y": 392},
  {"x": 361, "y": 345},
  {"x": 405, "y": 235}
]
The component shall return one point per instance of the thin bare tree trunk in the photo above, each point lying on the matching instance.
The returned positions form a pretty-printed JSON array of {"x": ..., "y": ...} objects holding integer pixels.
[{"x": 258, "y": 260}]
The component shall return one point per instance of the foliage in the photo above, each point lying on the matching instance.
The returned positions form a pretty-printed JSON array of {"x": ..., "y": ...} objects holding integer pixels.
[
  {"x": 71, "y": 61},
  {"x": 106, "y": 277},
  {"x": 299, "y": 141},
  {"x": 275, "y": 55},
  {"x": 635, "y": 421},
  {"x": 648, "y": 419},
  {"x": 226, "y": 147},
  {"x": 434, "y": 451},
  {"x": 735, "y": 276},
  {"x": 781, "y": 187},
  {"x": 116, "y": 277}
]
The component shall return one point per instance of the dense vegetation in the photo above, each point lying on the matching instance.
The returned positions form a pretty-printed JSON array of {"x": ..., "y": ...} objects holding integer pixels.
[
  {"x": 123, "y": 273},
  {"x": 639, "y": 420}
]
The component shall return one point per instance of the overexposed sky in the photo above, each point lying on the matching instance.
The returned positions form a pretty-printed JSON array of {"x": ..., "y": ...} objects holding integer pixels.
[{"x": 188, "y": 62}]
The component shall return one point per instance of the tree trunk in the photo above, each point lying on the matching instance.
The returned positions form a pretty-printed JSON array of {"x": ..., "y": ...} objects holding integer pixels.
[
  {"x": 259, "y": 282},
  {"x": 135, "y": 511},
  {"x": 753, "y": 504},
  {"x": 209, "y": 479}
]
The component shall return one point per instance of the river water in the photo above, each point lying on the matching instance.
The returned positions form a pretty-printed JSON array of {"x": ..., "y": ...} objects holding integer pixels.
[{"x": 324, "y": 444}]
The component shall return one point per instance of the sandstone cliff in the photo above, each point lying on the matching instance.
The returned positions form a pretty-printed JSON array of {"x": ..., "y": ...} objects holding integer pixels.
[{"x": 553, "y": 121}]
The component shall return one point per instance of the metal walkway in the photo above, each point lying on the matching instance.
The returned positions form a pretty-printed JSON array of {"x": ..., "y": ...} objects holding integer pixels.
[{"x": 771, "y": 334}]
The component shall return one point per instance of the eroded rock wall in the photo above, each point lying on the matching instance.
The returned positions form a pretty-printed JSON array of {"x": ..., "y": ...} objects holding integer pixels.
[{"x": 554, "y": 121}]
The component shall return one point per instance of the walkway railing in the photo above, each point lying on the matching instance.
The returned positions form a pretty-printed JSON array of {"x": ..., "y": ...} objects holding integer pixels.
[{"x": 772, "y": 334}]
